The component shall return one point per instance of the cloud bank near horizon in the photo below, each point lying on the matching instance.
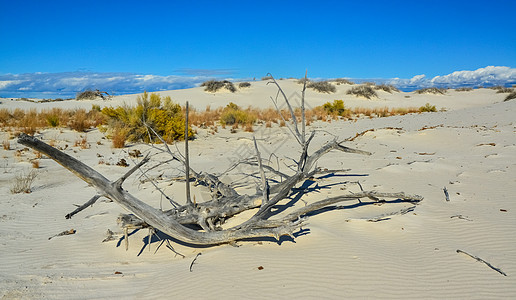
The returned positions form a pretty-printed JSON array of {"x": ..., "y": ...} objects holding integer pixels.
[
  {"x": 67, "y": 84},
  {"x": 488, "y": 76}
]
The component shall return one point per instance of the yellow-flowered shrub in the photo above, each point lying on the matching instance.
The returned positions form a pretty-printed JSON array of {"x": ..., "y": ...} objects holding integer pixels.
[{"x": 161, "y": 114}]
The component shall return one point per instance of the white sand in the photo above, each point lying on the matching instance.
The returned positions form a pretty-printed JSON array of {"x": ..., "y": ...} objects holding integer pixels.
[{"x": 470, "y": 149}]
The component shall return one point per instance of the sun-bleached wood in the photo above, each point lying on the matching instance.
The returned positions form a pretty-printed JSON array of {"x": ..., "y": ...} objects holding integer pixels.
[{"x": 226, "y": 202}]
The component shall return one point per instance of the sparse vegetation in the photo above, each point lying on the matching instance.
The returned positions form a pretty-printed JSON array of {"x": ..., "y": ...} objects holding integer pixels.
[
  {"x": 35, "y": 163},
  {"x": 336, "y": 108},
  {"x": 504, "y": 90},
  {"x": 90, "y": 95},
  {"x": 428, "y": 108},
  {"x": 266, "y": 78},
  {"x": 303, "y": 80},
  {"x": 119, "y": 137},
  {"x": 244, "y": 85},
  {"x": 164, "y": 116},
  {"x": 510, "y": 96},
  {"x": 389, "y": 88},
  {"x": 23, "y": 182},
  {"x": 213, "y": 86},
  {"x": 52, "y": 120},
  {"x": 365, "y": 91},
  {"x": 464, "y": 89},
  {"x": 322, "y": 87},
  {"x": 340, "y": 81},
  {"x": 431, "y": 90},
  {"x": 6, "y": 145},
  {"x": 87, "y": 95},
  {"x": 233, "y": 114},
  {"x": 28, "y": 121}
]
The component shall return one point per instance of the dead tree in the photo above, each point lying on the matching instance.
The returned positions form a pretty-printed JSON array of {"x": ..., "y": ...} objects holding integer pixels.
[{"x": 226, "y": 202}]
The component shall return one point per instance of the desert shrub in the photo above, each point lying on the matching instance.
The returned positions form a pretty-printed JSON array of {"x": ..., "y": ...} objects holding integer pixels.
[
  {"x": 52, "y": 120},
  {"x": 504, "y": 90},
  {"x": 230, "y": 87},
  {"x": 232, "y": 114},
  {"x": 303, "y": 80},
  {"x": 427, "y": 108},
  {"x": 343, "y": 81},
  {"x": 336, "y": 108},
  {"x": 80, "y": 121},
  {"x": 431, "y": 90},
  {"x": 322, "y": 87},
  {"x": 244, "y": 85},
  {"x": 464, "y": 89},
  {"x": 164, "y": 116},
  {"x": 29, "y": 121},
  {"x": 389, "y": 88},
  {"x": 23, "y": 182},
  {"x": 87, "y": 95},
  {"x": 365, "y": 91},
  {"x": 6, "y": 145},
  {"x": 510, "y": 96},
  {"x": 266, "y": 78},
  {"x": 119, "y": 138},
  {"x": 213, "y": 86}
]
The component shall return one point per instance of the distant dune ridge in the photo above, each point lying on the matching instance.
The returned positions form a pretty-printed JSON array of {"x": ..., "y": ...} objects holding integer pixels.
[
  {"x": 467, "y": 147},
  {"x": 66, "y": 84}
]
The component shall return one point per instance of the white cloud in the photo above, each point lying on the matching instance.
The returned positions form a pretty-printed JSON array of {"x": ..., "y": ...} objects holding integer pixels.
[
  {"x": 488, "y": 76},
  {"x": 66, "y": 84}
]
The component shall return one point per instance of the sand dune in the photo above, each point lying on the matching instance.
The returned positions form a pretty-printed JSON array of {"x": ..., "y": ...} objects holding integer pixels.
[{"x": 469, "y": 149}]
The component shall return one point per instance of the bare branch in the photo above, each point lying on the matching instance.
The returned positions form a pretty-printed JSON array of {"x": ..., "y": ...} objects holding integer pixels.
[
  {"x": 187, "y": 160},
  {"x": 84, "y": 206},
  {"x": 120, "y": 181},
  {"x": 265, "y": 184},
  {"x": 294, "y": 119},
  {"x": 303, "y": 121}
]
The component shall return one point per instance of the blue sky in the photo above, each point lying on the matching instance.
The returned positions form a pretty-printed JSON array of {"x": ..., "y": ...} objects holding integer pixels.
[{"x": 245, "y": 39}]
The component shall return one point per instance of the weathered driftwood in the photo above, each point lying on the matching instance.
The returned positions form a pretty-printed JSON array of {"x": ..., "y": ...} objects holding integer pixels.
[{"x": 226, "y": 202}]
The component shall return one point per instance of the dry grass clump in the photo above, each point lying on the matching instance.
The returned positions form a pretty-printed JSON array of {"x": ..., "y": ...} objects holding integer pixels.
[
  {"x": 504, "y": 90},
  {"x": 303, "y": 80},
  {"x": 213, "y": 86},
  {"x": 340, "y": 81},
  {"x": 87, "y": 95},
  {"x": 35, "y": 163},
  {"x": 365, "y": 91},
  {"x": 82, "y": 143},
  {"x": 322, "y": 87},
  {"x": 266, "y": 78},
  {"x": 336, "y": 108},
  {"x": 510, "y": 96},
  {"x": 23, "y": 182},
  {"x": 428, "y": 108},
  {"x": 464, "y": 89},
  {"x": 431, "y": 90},
  {"x": 29, "y": 121},
  {"x": 234, "y": 115},
  {"x": 204, "y": 119},
  {"x": 119, "y": 138},
  {"x": 389, "y": 88},
  {"x": 6, "y": 145},
  {"x": 244, "y": 85}
]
